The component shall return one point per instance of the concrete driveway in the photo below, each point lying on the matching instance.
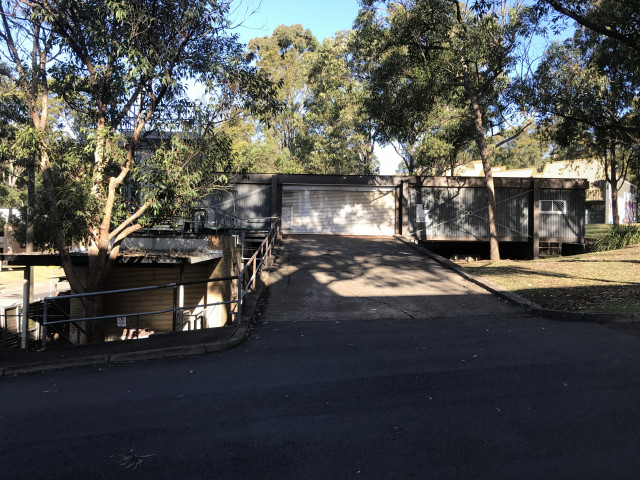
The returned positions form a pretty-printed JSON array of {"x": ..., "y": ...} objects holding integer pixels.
[{"x": 338, "y": 278}]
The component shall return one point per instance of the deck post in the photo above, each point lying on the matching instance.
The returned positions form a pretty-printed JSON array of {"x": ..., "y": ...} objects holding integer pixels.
[
  {"x": 273, "y": 201},
  {"x": 180, "y": 305},
  {"x": 534, "y": 219},
  {"x": 26, "y": 300}
]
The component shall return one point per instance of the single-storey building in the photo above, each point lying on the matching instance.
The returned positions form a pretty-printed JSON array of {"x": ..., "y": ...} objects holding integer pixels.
[{"x": 425, "y": 209}]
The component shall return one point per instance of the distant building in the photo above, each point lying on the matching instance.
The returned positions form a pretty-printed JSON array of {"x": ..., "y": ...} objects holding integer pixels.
[{"x": 598, "y": 196}]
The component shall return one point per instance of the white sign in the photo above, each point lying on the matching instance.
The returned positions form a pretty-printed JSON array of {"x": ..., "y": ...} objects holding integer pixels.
[
  {"x": 422, "y": 213},
  {"x": 122, "y": 321}
]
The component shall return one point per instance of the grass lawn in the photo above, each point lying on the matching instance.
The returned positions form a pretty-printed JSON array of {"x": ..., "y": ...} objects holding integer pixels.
[
  {"x": 593, "y": 282},
  {"x": 594, "y": 230},
  {"x": 16, "y": 274}
]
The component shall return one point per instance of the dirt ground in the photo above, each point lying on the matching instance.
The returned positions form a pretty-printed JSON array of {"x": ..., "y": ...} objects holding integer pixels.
[{"x": 593, "y": 282}]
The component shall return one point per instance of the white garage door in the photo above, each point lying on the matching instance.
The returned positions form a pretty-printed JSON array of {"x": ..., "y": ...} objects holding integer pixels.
[{"x": 338, "y": 210}]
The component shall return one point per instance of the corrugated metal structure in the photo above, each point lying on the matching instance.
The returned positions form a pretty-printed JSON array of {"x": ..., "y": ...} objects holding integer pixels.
[
  {"x": 441, "y": 213},
  {"x": 562, "y": 215},
  {"x": 429, "y": 209},
  {"x": 243, "y": 205},
  {"x": 338, "y": 210},
  {"x": 456, "y": 208}
]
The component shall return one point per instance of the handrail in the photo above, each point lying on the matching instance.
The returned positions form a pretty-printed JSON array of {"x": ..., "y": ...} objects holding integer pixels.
[
  {"x": 265, "y": 249},
  {"x": 235, "y": 220}
]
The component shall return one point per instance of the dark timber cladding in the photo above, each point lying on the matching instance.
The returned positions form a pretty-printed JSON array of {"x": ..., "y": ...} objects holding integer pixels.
[
  {"x": 242, "y": 201},
  {"x": 455, "y": 208},
  {"x": 324, "y": 204},
  {"x": 426, "y": 208}
]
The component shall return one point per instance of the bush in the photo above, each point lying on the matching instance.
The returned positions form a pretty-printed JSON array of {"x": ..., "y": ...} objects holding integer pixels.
[{"x": 618, "y": 236}]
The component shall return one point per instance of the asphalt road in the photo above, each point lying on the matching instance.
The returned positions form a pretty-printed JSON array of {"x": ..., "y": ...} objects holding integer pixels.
[
  {"x": 439, "y": 394},
  {"x": 445, "y": 398}
]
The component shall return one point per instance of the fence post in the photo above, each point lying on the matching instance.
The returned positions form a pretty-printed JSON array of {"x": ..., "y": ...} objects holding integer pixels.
[
  {"x": 255, "y": 274},
  {"x": 3, "y": 324},
  {"x": 26, "y": 288},
  {"x": 175, "y": 302},
  {"x": 44, "y": 324},
  {"x": 239, "y": 310}
]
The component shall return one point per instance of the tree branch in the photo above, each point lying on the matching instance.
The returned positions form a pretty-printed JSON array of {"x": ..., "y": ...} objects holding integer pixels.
[
  {"x": 132, "y": 218},
  {"x": 508, "y": 139},
  {"x": 584, "y": 21}
]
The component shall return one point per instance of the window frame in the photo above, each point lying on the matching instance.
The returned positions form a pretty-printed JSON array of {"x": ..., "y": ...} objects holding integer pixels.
[{"x": 553, "y": 207}]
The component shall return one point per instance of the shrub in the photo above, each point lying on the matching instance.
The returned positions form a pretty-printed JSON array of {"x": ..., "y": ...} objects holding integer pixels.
[{"x": 618, "y": 236}]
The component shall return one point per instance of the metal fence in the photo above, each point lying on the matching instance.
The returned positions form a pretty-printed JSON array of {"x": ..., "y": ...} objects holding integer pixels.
[
  {"x": 12, "y": 334},
  {"x": 10, "y": 326},
  {"x": 58, "y": 320}
]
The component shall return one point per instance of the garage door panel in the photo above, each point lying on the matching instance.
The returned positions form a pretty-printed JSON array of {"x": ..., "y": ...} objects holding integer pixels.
[{"x": 358, "y": 212}]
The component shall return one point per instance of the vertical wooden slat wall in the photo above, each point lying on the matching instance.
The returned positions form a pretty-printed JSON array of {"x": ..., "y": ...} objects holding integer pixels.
[
  {"x": 568, "y": 226},
  {"x": 462, "y": 212},
  {"x": 130, "y": 304},
  {"x": 245, "y": 201}
]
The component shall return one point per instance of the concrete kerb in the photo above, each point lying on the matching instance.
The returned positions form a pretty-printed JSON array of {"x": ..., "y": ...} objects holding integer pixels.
[
  {"x": 530, "y": 307},
  {"x": 238, "y": 337},
  {"x": 93, "y": 360}
]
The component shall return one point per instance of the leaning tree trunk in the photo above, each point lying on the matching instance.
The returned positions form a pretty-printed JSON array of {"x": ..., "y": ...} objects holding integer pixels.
[
  {"x": 99, "y": 264},
  {"x": 494, "y": 247},
  {"x": 93, "y": 308}
]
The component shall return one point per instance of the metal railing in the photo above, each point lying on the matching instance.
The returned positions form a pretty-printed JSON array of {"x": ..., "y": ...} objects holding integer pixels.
[
  {"x": 223, "y": 219},
  {"x": 252, "y": 265},
  {"x": 245, "y": 282},
  {"x": 12, "y": 327}
]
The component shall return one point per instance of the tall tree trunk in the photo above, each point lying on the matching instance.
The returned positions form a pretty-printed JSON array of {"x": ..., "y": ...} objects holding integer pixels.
[
  {"x": 494, "y": 247},
  {"x": 613, "y": 182},
  {"x": 93, "y": 307},
  {"x": 8, "y": 234},
  {"x": 31, "y": 191}
]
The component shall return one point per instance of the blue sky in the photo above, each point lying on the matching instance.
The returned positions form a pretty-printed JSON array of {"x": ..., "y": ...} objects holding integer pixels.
[{"x": 323, "y": 17}]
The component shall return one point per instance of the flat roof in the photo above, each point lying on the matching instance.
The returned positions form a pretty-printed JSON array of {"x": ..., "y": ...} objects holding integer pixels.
[{"x": 148, "y": 258}]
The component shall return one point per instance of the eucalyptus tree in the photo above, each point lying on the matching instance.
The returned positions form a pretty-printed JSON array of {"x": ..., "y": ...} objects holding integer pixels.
[
  {"x": 13, "y": 117},
  {"x": 284, "y": 59},
  {"x": 615, "y": 19},
  {"x": 530, "y": 149},
  {"x": 447, "y": 146},
  {"x": 436, "y": 61},
  {"x": 255, "y": 149},
  {"x": 116, "y": 66},
  {"x": 401, "y": 98},
  {"x": 586, "y": 91},
  {"x": 342, "y": 134}
]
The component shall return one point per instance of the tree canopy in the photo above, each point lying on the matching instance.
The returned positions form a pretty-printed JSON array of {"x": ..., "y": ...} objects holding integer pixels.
[
  {"x": 586, "y": 91},
  {"x": 120, "y": 69},
  {"x": 438, "y": 79}
]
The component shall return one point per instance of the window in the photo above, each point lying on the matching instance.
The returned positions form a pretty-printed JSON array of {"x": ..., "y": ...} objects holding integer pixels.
[{"x": 556, "y": 207}]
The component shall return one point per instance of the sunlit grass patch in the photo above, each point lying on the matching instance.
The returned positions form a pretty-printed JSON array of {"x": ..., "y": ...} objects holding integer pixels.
[{"x": 606, "y": 281}]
